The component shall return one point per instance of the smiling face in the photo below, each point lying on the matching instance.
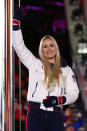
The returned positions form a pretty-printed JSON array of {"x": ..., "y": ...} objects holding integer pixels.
[{"x": 49, "y": 50}]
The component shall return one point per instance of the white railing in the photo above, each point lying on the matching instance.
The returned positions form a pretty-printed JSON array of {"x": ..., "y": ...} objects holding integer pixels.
[{"x": 2, "y": 65}]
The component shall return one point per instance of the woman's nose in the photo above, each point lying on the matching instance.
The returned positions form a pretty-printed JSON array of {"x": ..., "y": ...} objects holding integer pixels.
[{"x": 48, "y": 48}]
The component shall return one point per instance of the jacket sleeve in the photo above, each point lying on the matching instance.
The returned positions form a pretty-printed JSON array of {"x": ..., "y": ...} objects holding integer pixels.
[
  {"x": 25, "y": 55},
  {"x": 71, "y": 87}
]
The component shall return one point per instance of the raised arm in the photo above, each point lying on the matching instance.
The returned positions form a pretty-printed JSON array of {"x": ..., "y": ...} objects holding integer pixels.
[{"x": 25, "y": 55}]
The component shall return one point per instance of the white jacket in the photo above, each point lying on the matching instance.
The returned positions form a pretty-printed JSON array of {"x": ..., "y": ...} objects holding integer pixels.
[{"x": 37, "y": 90}]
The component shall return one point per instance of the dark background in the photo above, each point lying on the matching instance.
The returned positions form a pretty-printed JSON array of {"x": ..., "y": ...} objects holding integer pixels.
[{"x": 42, "y": 17}]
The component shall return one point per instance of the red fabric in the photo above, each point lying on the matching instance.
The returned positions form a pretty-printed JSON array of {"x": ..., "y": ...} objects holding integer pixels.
[
  {"x": 59, "y": 100},
  {"x": 17, "y": 114},
  {"x": 26, "y": 120},
  {"x": 82, "y": 2},
  {"x": 16, "y": 22},
  {"x": 44, "y": 100},
  {"x": 68, "y": 118}
]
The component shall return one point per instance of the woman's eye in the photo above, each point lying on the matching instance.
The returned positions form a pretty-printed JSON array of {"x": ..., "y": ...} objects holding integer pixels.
[
  {"x": 52, "y": 45},
  {"x": 45, "y": 46}
]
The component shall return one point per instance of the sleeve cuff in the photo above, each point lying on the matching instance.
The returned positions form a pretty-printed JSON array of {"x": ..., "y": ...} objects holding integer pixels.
[
  {"x": 16, "y": 27},
  {"x": 16, "y": 24}
]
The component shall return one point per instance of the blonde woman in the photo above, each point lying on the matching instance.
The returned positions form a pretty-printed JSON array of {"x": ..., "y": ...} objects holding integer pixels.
[{"x": 52, "y": 83}]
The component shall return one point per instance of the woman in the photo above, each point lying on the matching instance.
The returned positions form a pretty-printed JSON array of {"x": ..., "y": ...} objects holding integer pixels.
[{"x": 51, "y": 83}]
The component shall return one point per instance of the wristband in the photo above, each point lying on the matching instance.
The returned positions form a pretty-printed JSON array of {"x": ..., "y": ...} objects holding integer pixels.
[
  {"x": 16, "y": 24},
  {"x": 61, "y": 99}
]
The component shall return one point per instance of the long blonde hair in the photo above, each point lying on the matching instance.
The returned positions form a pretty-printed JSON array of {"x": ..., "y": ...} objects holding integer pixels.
[{"x": 57, "y": 70}]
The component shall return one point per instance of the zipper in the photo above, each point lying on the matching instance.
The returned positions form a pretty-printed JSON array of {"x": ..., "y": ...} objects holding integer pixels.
[
  {"x": 61, "y": 91},
  {"x": 35, "y": 89}
]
